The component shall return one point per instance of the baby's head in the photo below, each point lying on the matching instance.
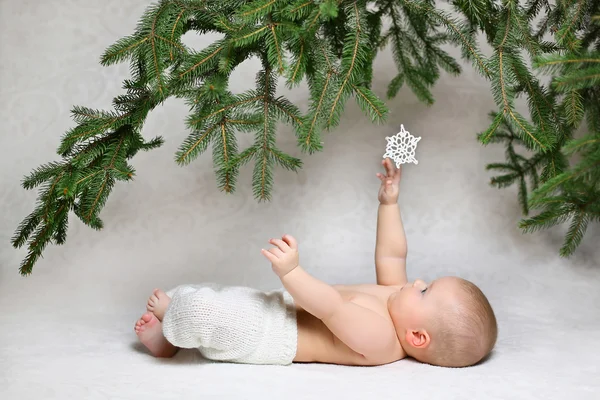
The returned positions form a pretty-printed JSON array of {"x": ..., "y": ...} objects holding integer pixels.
[{"x": 448, "y": 322}]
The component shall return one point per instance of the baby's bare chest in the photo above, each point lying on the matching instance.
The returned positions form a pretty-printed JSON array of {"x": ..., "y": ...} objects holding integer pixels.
[
  {"x": 316, "y": 343},
  {"x": 372, "y": 297}
]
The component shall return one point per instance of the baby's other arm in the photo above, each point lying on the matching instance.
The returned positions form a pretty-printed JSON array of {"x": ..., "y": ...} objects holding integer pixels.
[
  {"x": 390, "y": 247},
  {"x": 361, "y": 329},
  {"x": 367, "y": 333}
]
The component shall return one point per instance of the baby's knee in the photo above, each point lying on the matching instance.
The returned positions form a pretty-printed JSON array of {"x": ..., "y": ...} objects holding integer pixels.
[{"x": 186, "y": 289}]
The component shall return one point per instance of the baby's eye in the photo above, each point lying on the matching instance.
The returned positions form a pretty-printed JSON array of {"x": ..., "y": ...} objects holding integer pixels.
[{"x": 424, "y": 290}]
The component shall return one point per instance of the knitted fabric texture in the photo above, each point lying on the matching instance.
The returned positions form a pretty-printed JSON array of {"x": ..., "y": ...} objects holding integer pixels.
[{"x": 233, "y": 324}]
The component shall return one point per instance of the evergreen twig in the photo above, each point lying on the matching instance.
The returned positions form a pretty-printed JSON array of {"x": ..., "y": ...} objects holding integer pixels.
[{"x": 331, "y": 44}]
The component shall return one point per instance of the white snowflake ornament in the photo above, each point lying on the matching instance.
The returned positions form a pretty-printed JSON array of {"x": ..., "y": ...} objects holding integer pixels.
[{"x": 401, "y": 147}]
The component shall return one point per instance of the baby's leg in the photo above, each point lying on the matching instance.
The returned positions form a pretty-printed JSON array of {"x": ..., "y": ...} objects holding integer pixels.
[
  {"x": 149, "y": 327},
  {"x": 149, "y": 330},
  {"x": 158, "y": 303}
]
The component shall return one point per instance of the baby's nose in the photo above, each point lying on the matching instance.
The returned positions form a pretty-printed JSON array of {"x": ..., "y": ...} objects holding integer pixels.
[{"x": 419, "y": 284}]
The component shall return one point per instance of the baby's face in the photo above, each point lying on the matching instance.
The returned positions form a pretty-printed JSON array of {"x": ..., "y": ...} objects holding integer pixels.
[{"x": 417, "y": 303}]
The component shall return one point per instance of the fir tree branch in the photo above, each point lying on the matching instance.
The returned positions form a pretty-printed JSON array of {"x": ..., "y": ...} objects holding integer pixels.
[
  {"x": 243, "y": 158},
  {"x": 554, "y": 183},
  {"x": 299, "y": 62},
  {"x": 526, "y": 128},
  {"x": 195, "y": 145},
  {"x": 27, "y": 227},
  {"x": 566, "y": 34},
  {"x": 172, "y": 43},
  {"x": 42, "y": 237},
  {"x": 300, "y": 7},
  {"x": 289, "y": 110},
  {"x": 546, "y": 219},
  {"x": 535, "y": 108},
  {"x": 573, "y": 106},
  {"x": 581, "y": 79},
  {"x": 277, "y": 50},
  {"x": 452, "y": 26},
  {"x": 351, "y": 50},
  {"x": 585, "y": 143},
  {"x": 87, "y": 177},
  {"x": 418, "y": 77},
  {"x": 227, "y": 176},
  {"x": 204, "y": 58},
  {"x": 575, "y": 233},
  {"x": 158, "y": 72},
  {"x": 542, "y": 111},
  {"x": 253, "y": 35},
  {"x": 555, "y": 165},
  {"x": 289, "y": 163},
  {"x": 333, "y": 44},
  {"x": 261, "y": 8},
  {"x": 551, "y": 62},
  {"x": 370, "y": 104},
  {"x": 505, "y": 98},
  {"x": 43, "y": 174},
  {"x": 225, "y": 108},
  {"x": 501, "y": 75},
  {"x": 264, "y": 192},
  {"x": 307, "y": 135},
  {"x": 527, "y": 40},
  {"x": 395, "y": 86},
  {"x": 87, "y": 130},
  {"x": 105, "y": 184},
  {"x": 174, "y": 29},
  {"x": 122, "y": 49}
]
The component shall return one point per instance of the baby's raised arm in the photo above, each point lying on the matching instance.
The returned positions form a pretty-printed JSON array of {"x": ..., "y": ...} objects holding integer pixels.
[{"x": 390, "y": 247}]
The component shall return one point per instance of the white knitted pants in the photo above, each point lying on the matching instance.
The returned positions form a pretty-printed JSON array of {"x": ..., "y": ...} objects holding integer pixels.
[{"x": 233, "y": 324}]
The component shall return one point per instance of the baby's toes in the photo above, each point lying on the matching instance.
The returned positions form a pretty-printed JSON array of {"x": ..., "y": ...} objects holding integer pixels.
[
  {"x": 160, "y": 295},
  {"x": 150, "y": 306},
  {"x": 138, "y": 325}
]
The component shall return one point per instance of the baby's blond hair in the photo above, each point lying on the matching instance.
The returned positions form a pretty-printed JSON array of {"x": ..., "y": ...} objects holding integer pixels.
[{"x": 464, "y": 332}]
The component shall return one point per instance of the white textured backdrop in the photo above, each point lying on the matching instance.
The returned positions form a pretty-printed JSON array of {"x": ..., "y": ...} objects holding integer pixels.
[{"x": 66, "y": 332}]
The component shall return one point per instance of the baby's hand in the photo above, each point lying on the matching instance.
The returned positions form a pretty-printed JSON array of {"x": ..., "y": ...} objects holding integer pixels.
[
  {"x": 390, "y": 183},
  {"x": 284, "y": 258}
]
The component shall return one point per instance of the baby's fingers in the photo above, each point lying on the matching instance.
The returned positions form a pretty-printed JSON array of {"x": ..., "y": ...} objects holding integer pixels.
[
  {"x": 398, "y": 173},
  {"x": 291, "y": 241},
  {"x": 389, "y": 167},
  {"x": 268, "y": 255},
  {"x": 280, "y": 243}
]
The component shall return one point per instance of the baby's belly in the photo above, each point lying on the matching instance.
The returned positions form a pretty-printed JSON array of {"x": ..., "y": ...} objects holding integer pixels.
[{"x": 316, "y": 343}]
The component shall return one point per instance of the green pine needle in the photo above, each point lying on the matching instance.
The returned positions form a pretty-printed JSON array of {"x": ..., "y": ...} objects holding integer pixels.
[
  {"x": 545, "y": 220},
  {"x": 370, "y": 104},
  {"x": 589, "y": 142},
  {"x": 573, "y": 106},
  {"x": 575, "y": 233},
  {"x": 395, "y": 86},
  {"x": 580, "y": 79},
  {"x": 486, "y": 136}
]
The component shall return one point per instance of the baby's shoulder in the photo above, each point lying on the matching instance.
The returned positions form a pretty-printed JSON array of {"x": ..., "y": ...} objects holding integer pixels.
[
  {"x": 372, "y": 297},
  {"x": 378, "y": 291}
]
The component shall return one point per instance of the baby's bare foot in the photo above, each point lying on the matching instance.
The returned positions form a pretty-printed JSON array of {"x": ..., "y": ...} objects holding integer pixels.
[
  {"x": 157, "y": 303},
  {"x": 149, "y": 330}
]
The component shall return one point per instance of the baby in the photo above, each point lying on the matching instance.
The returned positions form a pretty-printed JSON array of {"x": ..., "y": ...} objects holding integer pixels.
[{"x": 448, "y": 322}]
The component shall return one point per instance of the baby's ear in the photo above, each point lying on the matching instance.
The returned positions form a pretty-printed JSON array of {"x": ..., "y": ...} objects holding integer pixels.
[{"x": 418, "y": 339}]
